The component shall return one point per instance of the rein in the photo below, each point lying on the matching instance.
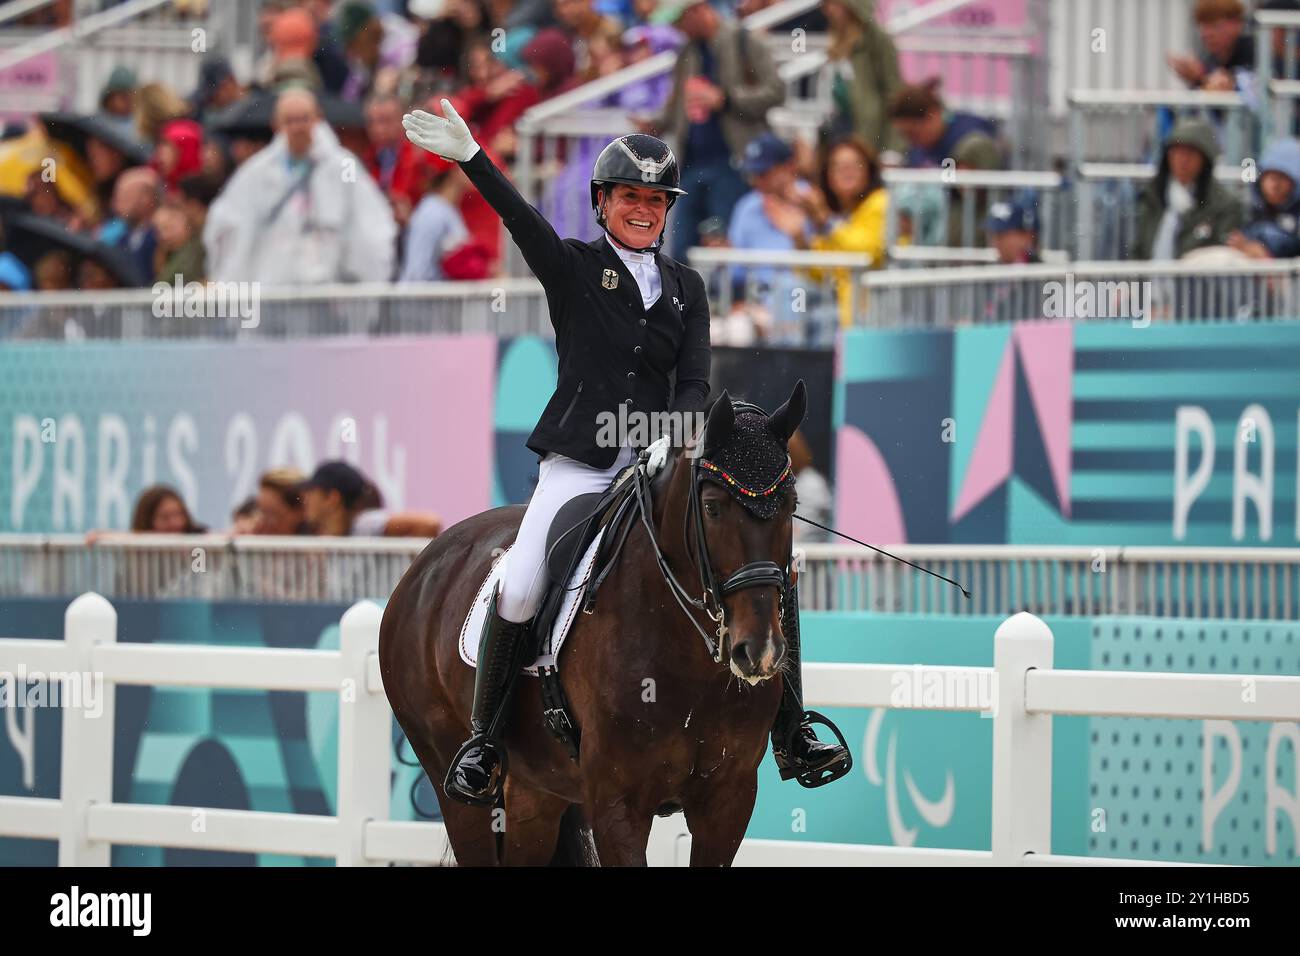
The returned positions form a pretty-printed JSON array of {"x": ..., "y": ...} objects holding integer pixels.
[{"x": 752, "y": 575}]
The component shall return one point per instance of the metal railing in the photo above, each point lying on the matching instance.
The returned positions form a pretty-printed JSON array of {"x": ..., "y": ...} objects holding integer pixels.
[
  {"x": 1127, "y": 125},
  {"x": 809, "y": 308},
  {"x": 1239, "y": 583},
  {"x": 139, "y": 32},
  {"x": 504, "y": 307},
  {"x": 905, "y": 256},
  {"x": 1138, "y": 292},
  {"x": 791, "y": 296},
  {"x": 1246, "y": 583},
  {"x": 999, "y": 76},
  {"x": 1283, "y": 116},
  {"x": 961, "y": 199},
  {"x": 1106, "y": 205},
  {"x": 1115, "y": 44},
  {"x": 1276, "y": 87}
]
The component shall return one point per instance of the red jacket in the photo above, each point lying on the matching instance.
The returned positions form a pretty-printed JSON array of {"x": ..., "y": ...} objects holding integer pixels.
[
  {"x": 408, "y": 176},
  {"x": 488, "y": 117}
]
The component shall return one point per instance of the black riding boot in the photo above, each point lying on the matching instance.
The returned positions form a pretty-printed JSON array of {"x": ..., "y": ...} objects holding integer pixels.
[
  {"x": 475, "y": 775},
  {"x": 798, "y": 752}
]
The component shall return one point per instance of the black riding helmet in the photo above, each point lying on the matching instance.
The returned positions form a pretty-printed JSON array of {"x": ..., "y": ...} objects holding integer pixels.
[{"x": 637, "y": 159}]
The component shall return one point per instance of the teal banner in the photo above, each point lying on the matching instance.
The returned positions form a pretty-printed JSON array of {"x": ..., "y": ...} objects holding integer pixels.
[{"x": 1070, "y": 433}]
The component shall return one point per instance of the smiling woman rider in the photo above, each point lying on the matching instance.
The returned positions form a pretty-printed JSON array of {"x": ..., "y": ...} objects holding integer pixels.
[{"x": 632, "y": 334}]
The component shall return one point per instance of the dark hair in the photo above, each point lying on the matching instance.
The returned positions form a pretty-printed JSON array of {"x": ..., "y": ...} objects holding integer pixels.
[
  {"x": 369, "y": 498},
  {"x": 200, "y": 187},
  {"x": 868, "y": 156},
  {"x": 916, "y": 100},
  {"x": 146, "y": 506},
  {"x": 247, "y": 507}
]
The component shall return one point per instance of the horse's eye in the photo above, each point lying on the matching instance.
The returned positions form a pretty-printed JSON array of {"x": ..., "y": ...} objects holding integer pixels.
[{"x": 711, "y": 509}]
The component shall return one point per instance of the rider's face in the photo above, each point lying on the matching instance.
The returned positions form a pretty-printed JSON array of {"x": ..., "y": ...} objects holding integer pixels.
[{"x": 635, "y": 214}]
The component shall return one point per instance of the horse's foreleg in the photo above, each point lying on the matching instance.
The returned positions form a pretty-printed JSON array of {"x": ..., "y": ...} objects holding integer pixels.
[
  {"x": 718, "y": 816},
  {"x": 620, "y": 828},
  {"x": 532, "y": 824}
]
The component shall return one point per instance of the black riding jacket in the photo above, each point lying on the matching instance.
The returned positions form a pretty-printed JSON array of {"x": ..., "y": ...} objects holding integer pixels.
[{"x": 612, "y": 349}]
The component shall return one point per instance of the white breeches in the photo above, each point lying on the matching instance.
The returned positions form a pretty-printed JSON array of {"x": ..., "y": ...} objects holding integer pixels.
[{"x": 559, "y": 480}]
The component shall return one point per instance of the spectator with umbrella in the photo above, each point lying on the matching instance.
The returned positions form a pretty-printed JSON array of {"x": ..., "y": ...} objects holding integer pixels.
[
  {"x": 53, "y": 252},
  {"x": 107, "y": 146},
  {"x": 46, "y": 174}
]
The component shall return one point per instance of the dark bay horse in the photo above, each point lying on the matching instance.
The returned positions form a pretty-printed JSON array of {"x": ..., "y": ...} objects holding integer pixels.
[{"x": 663, "y": 724}]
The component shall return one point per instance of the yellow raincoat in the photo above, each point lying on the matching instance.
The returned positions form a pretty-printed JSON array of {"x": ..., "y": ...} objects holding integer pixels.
[
  {"x": 72, "y": 179},
  {"x": 863, "y": 231}
]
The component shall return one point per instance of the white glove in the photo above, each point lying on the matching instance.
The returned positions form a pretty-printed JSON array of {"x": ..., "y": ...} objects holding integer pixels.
[
  {"x": 656, "y": 456},
  {"x": 450, "y": 138}
]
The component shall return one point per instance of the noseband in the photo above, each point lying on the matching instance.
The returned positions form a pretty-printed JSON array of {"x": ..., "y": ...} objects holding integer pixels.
[{"x": 755, "y": 574}]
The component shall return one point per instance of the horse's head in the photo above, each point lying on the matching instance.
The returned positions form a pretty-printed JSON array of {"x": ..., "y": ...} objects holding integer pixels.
[{"x": 733, "y": 491}]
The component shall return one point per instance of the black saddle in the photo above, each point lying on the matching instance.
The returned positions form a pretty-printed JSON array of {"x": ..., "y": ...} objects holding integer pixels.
[{"x": 572, "y": 530}]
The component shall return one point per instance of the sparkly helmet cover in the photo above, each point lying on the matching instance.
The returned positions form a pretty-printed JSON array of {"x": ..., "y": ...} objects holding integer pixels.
[{"x": 753, "y": 465}]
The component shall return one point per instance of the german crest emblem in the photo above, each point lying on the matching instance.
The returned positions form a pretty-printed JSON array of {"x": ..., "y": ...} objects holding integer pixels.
[{"x": 609, "y": 279}]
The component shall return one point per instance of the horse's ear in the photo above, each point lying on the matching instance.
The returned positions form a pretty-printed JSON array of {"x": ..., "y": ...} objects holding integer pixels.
[
  {"x": 788, "y": 417},
  {"x": 722, "y": 421}
]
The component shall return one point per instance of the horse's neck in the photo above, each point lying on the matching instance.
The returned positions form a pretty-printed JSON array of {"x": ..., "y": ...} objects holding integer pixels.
[{"x": 669, "y": 520}]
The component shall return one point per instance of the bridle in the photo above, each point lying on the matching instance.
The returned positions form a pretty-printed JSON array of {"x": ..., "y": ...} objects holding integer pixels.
[{"x": 755, "y": 574}]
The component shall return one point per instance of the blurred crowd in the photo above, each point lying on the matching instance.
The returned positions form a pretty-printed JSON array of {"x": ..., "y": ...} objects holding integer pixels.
[
  {"x": 300, "y": 173},
  {"x": 338, "y": 500},
  {"x": 335, "y": 500}
]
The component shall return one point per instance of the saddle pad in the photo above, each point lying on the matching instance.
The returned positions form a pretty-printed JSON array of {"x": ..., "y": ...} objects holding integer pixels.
[{"x": 472, "y": 629}]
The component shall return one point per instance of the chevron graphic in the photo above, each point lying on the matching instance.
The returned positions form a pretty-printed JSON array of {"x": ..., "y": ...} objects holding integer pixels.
[{"x": 1025, "y": 427}]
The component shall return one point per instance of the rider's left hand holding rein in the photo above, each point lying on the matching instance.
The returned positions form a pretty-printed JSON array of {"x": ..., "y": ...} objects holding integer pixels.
[{"x": 656, "y": 455}]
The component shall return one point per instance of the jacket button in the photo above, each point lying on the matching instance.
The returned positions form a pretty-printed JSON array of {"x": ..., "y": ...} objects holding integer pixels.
[
  {"x": 637, "y": 350},
  {"x": 643, "y": 321},
  {"x": 627, "y": 401},
  {"x": 631, "y": 374}
]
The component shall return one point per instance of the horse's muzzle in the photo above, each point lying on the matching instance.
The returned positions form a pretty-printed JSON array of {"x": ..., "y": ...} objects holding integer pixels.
[{"x": 757, "y": 658}]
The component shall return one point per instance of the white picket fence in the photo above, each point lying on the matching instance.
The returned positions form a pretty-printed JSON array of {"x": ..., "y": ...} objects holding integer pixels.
[{"x": 1027, "y": 692}]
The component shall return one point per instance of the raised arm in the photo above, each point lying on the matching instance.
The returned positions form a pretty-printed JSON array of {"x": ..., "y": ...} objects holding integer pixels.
[{"x": 451, "y": 139}]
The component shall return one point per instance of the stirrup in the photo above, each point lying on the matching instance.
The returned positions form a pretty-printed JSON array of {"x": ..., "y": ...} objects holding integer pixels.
[
  {"x": 470, "y": 797},
  {"x": 812, "y": 775}
]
